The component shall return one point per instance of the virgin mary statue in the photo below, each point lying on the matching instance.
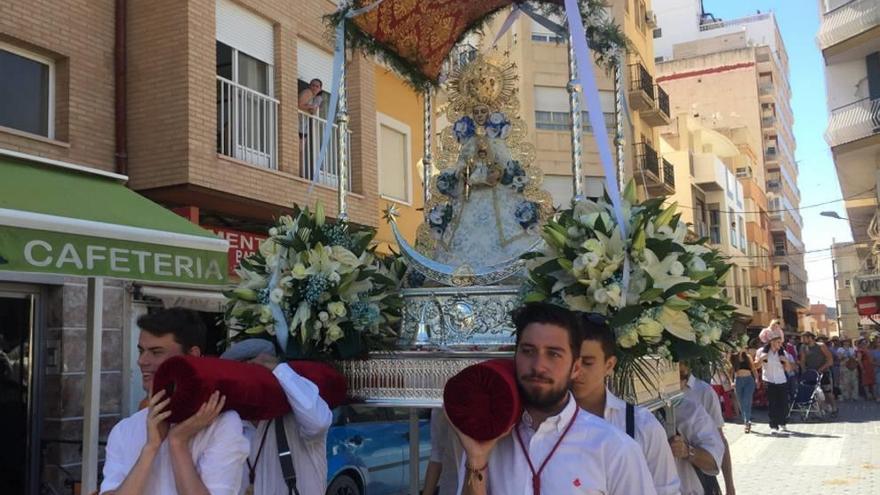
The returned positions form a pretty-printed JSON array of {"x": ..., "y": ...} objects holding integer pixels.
[{"x": 487, "y": 205}]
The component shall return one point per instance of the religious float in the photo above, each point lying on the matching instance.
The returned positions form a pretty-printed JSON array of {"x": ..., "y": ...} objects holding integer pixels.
[{"x": 400, "y": 327}]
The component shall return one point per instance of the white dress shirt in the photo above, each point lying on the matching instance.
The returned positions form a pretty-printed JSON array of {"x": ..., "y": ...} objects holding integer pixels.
[
  {"x": 594, "y": 458},
  {"x": 446, "y": 450},
  {"x": 703, "y": 394},
  {"x": 773, "y": 370},
  {"x": 217, "y": 452},
  {"x": 697, "y": 428},
  {"x": 306, "y": 427},
  {"x": 651, "y": 437}
]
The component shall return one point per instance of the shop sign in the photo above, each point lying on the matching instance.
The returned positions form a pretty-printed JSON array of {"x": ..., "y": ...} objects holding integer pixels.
[
  {"x": 866, "y": 285},
  {"x": 41, "y": 251},
  {"x": 241, "y": 244},
  {"x": 868, "y": 305}
]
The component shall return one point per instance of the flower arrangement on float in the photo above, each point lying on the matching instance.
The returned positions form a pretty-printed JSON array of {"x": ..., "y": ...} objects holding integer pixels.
[
  {"x": 324, "y": 282},
  {"x": 662, "y": 293}
]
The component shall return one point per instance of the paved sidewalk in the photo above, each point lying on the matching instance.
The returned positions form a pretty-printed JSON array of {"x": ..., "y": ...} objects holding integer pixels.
[{"x": 838, "y": 457}]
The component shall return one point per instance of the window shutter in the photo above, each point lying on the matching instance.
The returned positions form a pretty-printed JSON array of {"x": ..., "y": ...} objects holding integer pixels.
[
  {"x": 245, "y": 31},
  {"x": 313, "y": 62}
]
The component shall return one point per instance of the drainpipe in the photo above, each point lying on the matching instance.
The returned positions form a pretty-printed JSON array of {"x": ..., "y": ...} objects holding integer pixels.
[{"x": 119, "y": 66}]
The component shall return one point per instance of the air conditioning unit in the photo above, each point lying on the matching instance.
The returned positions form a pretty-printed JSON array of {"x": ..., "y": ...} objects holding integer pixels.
[{"x": 651, "y": 19}]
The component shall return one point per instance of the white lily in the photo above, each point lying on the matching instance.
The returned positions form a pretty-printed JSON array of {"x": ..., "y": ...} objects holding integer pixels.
[{"x": 660, "y": 270}]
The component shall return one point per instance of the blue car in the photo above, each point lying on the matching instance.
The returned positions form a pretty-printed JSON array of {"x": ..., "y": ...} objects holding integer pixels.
[{"x": 368, "y": 450}]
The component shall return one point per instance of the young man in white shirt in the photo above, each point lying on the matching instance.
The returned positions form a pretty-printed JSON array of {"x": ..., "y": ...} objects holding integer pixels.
[
  {"x": 703, "y": 394},
  {"x": 556, "y": 447},
  {"x": 697, "y": 447},
  {"x": 147, "y": 456},
  {"x": 598, "y": 360},
  {"x": 304, "y": 429}
]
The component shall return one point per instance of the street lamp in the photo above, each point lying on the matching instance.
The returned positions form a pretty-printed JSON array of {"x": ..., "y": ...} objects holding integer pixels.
[{"x": 833, "y": 214}]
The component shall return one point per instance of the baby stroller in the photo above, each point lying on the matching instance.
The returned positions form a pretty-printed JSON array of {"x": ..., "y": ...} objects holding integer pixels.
[{"x": 809, "y": 397}]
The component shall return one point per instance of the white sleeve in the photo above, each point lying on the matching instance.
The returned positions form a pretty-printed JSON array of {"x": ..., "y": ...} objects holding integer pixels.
[
  {"x": 437, "y": 435},
  {"x": 692, "y": 421},
  {"x": 627, "y": 471},
  {"x": 117, "y": 464},
  {"x": 226, "y": 449},
  {"x": 311, "y": 412},
  {"x": 651, "y": 436},
  {"x": 713, "y": 406}
]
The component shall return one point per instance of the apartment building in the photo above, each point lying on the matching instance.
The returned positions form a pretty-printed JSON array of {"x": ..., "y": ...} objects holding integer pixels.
[
  {"x": 847, "y": 264},
  {"x": 712, "y": 202},
  {"x": 849, "y": 37},
  {"x": 199, "y": 113},
  {"x": 733, "y": 75}
]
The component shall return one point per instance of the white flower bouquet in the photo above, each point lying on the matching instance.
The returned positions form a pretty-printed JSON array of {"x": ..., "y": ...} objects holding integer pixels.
[
  {"x": 662, "y": 294},
  {"x": 322, "y": 281}
]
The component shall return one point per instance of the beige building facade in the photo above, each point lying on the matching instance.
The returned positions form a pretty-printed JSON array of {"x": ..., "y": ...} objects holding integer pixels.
[
  {"x": 846, "y": 259},
  {"x": 733, "y": 77}
]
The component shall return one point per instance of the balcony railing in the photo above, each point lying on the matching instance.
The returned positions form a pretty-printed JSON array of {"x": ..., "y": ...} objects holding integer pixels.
[
  {"x": 247, "y": 124},
  {"x": 668, "y": 173},
  {"x": 768, "y": 121},
  {"x": 663, "y": 101},
  {"x": 848, "y": 20},
  {"x": 311, "y": 133},
  {"x": 642, "y": 80},
  {"x": 708, "y": 26},
  {"x": 646, "y": 159},
  {"x": 852, "y": 122}
]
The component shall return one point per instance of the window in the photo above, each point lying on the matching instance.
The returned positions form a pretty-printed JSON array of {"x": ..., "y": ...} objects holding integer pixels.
[
  {"x": 27, "y": 86},
  {"x": 734, "y": 236},
  {"x": 714, "y": 225},
  {"x": 560, "y": 189},
  {"x": 755, "y": 305},
  {"x": 547, "y": 38},
  {"x": 553, "y": 111},
  {"x": 658, "y": 33},
  {"x": 552, "y": 121},
  {"x": 394, "y": 159}
]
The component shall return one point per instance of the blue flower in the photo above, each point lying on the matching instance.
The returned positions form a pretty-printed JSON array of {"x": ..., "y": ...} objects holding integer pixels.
[
  {"x": 464, "y": 128},
  {"x": 364, "y": 315},
  {"x": 497, "y": 125},
  {"x": 514, "y": 176},
  {"x": 447, "y": 182},
  {"x": 526, "y": 214}
]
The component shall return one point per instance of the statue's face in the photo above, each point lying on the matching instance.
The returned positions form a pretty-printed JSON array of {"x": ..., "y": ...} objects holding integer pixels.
[{"x": 481, "y": 113}]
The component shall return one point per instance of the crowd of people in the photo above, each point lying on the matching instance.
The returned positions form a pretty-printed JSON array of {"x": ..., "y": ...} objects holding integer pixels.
[
  {"x": 768, "y": 371},
  {"x": 574, "y": 435}
]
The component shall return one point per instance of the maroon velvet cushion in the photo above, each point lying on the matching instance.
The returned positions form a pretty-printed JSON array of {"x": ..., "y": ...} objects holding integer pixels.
[
  {"x": 482, "y": 400},
  {"x": 331, "y": 383},
  {"x": 250, "y": 389}
]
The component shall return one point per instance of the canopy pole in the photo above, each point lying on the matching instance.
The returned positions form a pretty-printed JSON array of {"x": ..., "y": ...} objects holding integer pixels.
[
  {"x": 414, "y": 453},
  {"x": 577, "y": 132},
  {"x": 428, "y": 158},
  {"x": 342, "y": 143},
  {"x": 620, "y": 141},
  {"x": 92, "y": 385}
]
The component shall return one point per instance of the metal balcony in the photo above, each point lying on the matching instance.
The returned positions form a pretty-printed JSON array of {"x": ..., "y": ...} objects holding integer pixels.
[
  {"x": 658, "y": 113},
  {"x": 641, "y": 89},
  {"x": 852, "y": 122},
  {"x": 657, "y": 174},
  {"x": 247, "y": 124},
  {"x": 847, "y": 21},
  {"x": 311, "y": 132}
]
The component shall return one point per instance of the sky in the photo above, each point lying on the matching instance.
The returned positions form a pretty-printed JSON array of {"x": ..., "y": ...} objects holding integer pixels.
[{"x": 799, "y": 22}]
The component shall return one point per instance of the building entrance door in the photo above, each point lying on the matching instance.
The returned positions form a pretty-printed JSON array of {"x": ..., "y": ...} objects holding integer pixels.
[{"x": 20, "y": 411}]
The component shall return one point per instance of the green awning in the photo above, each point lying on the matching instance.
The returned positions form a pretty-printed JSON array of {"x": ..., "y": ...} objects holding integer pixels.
[{"x": 70, "y": 221}]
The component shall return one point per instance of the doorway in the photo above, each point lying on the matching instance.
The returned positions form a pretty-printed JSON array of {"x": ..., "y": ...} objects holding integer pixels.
[{"x": 20, "y": 383}]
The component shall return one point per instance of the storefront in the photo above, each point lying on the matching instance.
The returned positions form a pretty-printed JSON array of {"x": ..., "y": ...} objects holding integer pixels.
[{"x": 71, "y": 238}]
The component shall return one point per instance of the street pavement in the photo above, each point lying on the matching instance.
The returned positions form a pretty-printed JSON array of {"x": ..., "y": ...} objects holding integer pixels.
[{"x": 834, "y": 457}]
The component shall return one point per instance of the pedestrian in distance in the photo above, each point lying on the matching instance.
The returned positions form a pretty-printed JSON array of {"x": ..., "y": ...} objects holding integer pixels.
[
  {"x": 774, "y": 363},
  {"x": 745, "y": 377}
]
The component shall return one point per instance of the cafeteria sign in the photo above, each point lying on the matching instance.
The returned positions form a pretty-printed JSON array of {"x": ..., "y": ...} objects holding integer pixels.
[{"x": 41, "y": 251}]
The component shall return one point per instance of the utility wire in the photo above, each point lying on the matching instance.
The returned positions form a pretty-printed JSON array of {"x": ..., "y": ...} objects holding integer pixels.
[{"x": 802, "y": 207}]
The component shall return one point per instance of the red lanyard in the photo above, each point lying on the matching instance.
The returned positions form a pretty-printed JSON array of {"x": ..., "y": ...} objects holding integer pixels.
[{"x": 536, "y": 476}]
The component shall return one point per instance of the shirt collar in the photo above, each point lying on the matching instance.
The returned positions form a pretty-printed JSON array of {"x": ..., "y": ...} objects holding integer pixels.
[
  {"x": 691, "y": 381},
  {"x": 557, "y": 422},
  {"x": 613, "y": 402}
]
